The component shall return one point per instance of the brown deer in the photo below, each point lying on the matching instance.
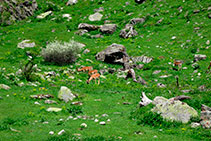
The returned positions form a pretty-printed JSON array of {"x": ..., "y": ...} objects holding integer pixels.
[
  {"x": 94, "y": 76},
  {"x": 92, "y": 72},
  {"x": 89, "y": 68}
]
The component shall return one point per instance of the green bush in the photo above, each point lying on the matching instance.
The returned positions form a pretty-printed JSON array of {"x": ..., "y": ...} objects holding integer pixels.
[{"x": 61, "y": 52}]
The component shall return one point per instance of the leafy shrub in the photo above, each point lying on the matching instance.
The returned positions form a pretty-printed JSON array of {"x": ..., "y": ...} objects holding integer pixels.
[{"x": 61, "y": 52}]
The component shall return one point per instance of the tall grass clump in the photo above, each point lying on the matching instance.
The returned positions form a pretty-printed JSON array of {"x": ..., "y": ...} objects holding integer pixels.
[{"x": 61, "y": 53}]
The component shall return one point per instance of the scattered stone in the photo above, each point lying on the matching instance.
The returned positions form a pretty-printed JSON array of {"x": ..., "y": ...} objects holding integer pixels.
[
  {"x": 186, "y": 91},
  {"x": 86, "y": 51},
  {"x": 199, "y": 57},
  {"x": 161, "y": 85},
  {"x": 205, "y": 117},
  {"x": 81, "y": 32},
  {"x": 21, "y": 84},
  {"x": 36, "y": 103},
  {"x": 14, "y": 130},
  {"x": 61, "y": 132},
  {"x": 46, "y": 122},
  {"x": 108, "y": 28},
  {"x": 83, "y": 125},
  {"x": 143, "y": 59},
  {"x": 138, "y": 133},
  {"x": 41, "y": 96},
  {"x": 104, "y": 115},
  {"x": 144, "y": 100},
  {"x": 141, "y": 80},
  {"x": 208, "y": 42},
  {"x": 101, "y": 9},
  {"x": 165, "y": 76},
  {"x": 202, "y": 88},
  {"x": 156, "y": 71},
  {"x": 195, "y": 125},
  {"x": 50, "y": 101},
  {"x": 54, "y": 109},
  {"x": 77, "y": 103},
  {"x": 88, "y": 27},
  {"x": 173, "y": 110},
  {"x": 139, "y": 1},
  {"x": 67, "y": 16},
  {"x": 5, "y": 87},
  {"x": 97, "y": 36},
  {"x": 95, "y": 17},
  {"x": 71, "y": 2},
  {"x": 51, "y": 132},
  {"x": 44, "y": 15},
  {"x": 26, "y": 44},
  {"x": 128, "y": 32},
  {"x": 102, "y": 123},
  {"x": 112, "y": 54},
  {"x": 137, "y": 21},
  {"x": 126, "y": 103},
  {"x": 17, "y": 10},
  {"x": 65, "y": 94},
  {"x": 140, "y": 66},
  {"x": 96, "y": 120}
]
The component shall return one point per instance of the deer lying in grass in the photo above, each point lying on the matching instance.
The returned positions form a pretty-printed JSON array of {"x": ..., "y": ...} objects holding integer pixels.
[
  {"x": 94, "y": 76},
  {"x": 89, "y": 68},
  {"x": 92, "y": 72}
]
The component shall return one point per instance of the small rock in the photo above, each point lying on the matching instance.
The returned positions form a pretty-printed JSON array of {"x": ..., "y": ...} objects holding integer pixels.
[
  {"x": 65, "y": 94},
  {"x": 195, "y": 125},
  {"x": 46, "y": 122},
  {"x": 207, "y": 42},
  {"x": 51, "y": 132},
  {"x": 102, "y": 123},
  {"x": 50, "y": 101},
  {"x": 77, "y": 103},
  {"x": 101, "y": 9},
  {"x": 88, "y": 27},
  {"x": 3, "y": 86},
  {"x": 95, "y": 17},
  {"x": 137, "y": 21},
  {"x": 43, "y": 15},
  {"x": 186, "y": 91},
  {"x": 165, "y": 76},
  {"x": 83, "y": 125},
  {"x": 70, "y": 117},
  {"x": 156, "y": 71},
  {"x": 54, "y": 109},
  {"x": 86, "y": 51},
  {"x": 61, "y": 132},
  {"x": 26, "y": 44},
  {"x": 104, "y": 115},
  {"x": 71, "y": 2},
  {"x": 67, "y": 16},
  {"x": 36, "y": 103},
  {"x": 161, "y": 85},
  {"x": 81, "y": 32},
  {"x": 108, "y": 28},
  {"x": 199, "y": 57},
  {"x": 128, "y": 32},
  {"x": 96, "y": 120}
]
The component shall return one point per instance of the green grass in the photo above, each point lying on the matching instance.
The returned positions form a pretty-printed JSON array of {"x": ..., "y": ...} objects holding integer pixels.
[{"x": 19, "y": 112}]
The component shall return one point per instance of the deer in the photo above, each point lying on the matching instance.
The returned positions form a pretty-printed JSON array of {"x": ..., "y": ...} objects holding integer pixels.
[
  {"x": 177, "y": 63},
  {"x": 92, "y": 72},
  {"x": 89, "y": 68},
  {"x": 94, "y": 76}
]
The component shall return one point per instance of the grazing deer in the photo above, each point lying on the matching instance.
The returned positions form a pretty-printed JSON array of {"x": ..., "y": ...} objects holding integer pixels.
[
  {"x": 92, "y": 72},
  {"x": 94, "y": 76},
  {"x": 177, "y": 63},
  {"x": 89, "y": 68}
]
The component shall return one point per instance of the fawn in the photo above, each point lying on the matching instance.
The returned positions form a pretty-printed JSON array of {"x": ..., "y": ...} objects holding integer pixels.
[
  {"x": 94, "y": 76},
  {"x": 92, "y": 72},
  {"x": 89, "y": 68}
]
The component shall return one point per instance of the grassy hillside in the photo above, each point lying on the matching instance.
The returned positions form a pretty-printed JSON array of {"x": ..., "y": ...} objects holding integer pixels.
[{"x": 183, "y": 32}]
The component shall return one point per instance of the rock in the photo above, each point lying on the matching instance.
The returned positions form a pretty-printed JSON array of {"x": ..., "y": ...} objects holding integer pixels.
[
  {"x": 51, "y": 132},
  {"x": 165, "y": 76},
  {"x": 128, "y": 32},
  {"x": 143, "y": 59},
  {"x": 11, "y": 10},
  {"x": 83, "y": 125},
  {"x": 137, "y": 21},
  {"x": 77, "y": 103},
  {"x": 61, "y": 132},
  {"x": 141, "y": 80},
  {"x": 112, "y": 54},
  {"x": 102, "y": 123},
  {"x": 26, "y": 44},
  {"x": 144, "y": 100},
  {"x": 67, "y": 16},
  {"x": 139, "y": 1},
  {"x": 156, "y": 71},
  {"x": 173, "y": 110},
  {"x": 97, "y": 36},
  {"x": 186, "y": 91},
  {"x": 205, "y": 117},
  {"x": 65, "y": 94},
  {"x": 108, "y": 28},
  {"x": 101, "y": 9},
  {"x": 95, "y": 17},
  {"x": 44, "y": 15},
  {"x": 81, "y": 32},
  {"x": 199, "y": 57},
  {"x": 71, "y": 2},
  {"x": 41, "y": 96},
  {"x": 3, "y": 86},
  {"x": 195, "y": 125},
  {"x": 54, "y": 109},
  {"x": 88, "y": 27},
  {"x": 50, "y": 101},
  {"x": 161, "y": 85}
]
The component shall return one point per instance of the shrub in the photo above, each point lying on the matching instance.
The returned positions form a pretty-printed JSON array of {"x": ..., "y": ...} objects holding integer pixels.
[{"x": 61, "y": 52}]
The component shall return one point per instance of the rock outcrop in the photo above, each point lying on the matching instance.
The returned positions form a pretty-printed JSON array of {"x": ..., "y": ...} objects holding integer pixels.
[{"x": 13, "y": 10}]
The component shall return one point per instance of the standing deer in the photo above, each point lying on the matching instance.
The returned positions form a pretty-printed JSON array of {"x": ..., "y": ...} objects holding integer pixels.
[
  {"x": 89, "y": 68},
  {"x": 94, "y": 76}
]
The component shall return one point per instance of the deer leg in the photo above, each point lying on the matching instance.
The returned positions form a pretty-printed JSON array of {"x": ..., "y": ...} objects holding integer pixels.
[
  {"x": 98, "y": 81},
  {"x": 95, "y": 81}
]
